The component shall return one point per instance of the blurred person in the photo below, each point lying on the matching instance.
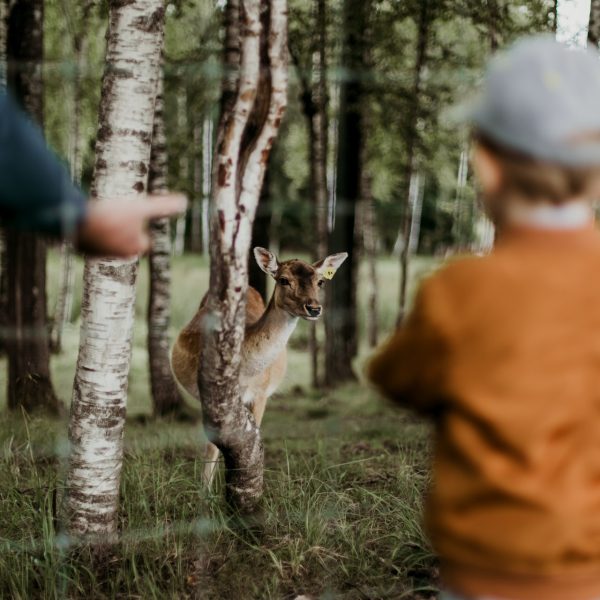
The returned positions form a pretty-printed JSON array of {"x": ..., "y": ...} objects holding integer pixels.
[
  {"x": 503, "y": 352},
  {"x": 36, "y": 194}
]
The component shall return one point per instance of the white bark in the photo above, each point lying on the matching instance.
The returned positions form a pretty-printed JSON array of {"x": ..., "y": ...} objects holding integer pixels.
[
  {"x": 332, "y": 162},
  {"x": 184, "y": 171},
  {"x": 461, "y": 183},
  {"x": 238, "y": 176},
  {"x": 122, "y": 157},
  {"x": 64, "y": 302},
  {"x": 416, "y": 201},
  {"x": 196, "y": 208},
  {"x": 207, "y": 160}
]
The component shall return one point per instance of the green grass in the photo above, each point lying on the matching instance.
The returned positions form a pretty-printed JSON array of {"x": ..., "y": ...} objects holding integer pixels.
[{"x": 344, "y": 481}]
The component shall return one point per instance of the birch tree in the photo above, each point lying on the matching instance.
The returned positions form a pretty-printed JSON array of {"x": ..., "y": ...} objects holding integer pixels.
[
  {"x": 129, "y": 84},
  {"x": 29, "y": 383},
  {"x": 166, "y": 399},
  {"x": 207, "y": 150},
  {"x": 424, "y": 20},
  {"x": 78, "y": 26},
  {"x": 252, "y": 109},
  {"x": 370, "y": 251}
]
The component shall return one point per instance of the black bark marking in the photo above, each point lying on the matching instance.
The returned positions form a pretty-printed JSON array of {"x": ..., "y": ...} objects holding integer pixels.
[
  {"x": 116, "y": 4},
  {"x": 151, "y": 23},
  {"x": 124, "y": 274},
  {"x": 104, "y": 133},
  {"x": 222, "y": 175}
]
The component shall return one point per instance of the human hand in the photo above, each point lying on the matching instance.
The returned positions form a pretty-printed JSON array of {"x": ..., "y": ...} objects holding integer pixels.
[{"x": 117, "y": 228}]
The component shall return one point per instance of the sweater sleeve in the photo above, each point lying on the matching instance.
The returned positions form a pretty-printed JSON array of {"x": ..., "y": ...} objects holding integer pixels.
[
  {"x": 36, "y": 192},
  {"x": 411, "y": 367}
]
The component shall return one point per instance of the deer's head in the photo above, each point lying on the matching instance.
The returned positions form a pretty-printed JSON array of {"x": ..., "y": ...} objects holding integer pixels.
[{"x": 298, "y": 283}]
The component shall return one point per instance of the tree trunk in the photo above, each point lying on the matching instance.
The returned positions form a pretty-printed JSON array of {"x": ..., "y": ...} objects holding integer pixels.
[
  {"x": 184, "y": 169},
  {"x": 253, "y": 105},
  {"x": 340, "y": 323},
  {"x": 370, "y": 251},
  {"x": 423, "y": 26},
  {"x": 416, "y": 207},
  {"x": 166, "y": 399},
  {"x": 64, "y": 301},
  {"x": 257, "y": 278},
  {"x": 29, "y": 384},
  {"x": 129, "y": 86},
  {"x": 315, "y": 110},
  {"x": 593, "y": 36},
  {"x": 196, "y": 209},
  {"x": 494, "y": 25},
  {"x": 207, "y": 143},
  {"x": 461, "y": 183}
]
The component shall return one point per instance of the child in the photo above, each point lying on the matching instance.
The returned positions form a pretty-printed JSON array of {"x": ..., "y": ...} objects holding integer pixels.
[{"x": 503, "y": 352}]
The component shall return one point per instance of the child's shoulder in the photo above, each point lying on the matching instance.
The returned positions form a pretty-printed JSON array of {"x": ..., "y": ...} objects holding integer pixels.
[{"x": 465, "y": 270}]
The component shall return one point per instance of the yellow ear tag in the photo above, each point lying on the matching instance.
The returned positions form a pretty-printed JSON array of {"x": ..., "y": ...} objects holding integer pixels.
[{"x": 329, "y": 272}]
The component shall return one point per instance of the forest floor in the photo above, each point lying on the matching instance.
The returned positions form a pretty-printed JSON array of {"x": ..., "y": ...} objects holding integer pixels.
[{"x": 344, "y": 483}]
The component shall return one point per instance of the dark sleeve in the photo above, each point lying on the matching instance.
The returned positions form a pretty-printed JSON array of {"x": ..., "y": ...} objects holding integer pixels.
[
  {"x": 36, "y": 192},
  {"x": 411, "y": 367}
]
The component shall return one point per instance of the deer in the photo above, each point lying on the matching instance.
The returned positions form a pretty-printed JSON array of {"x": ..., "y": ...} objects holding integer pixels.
[{"x": 296, "y": 295}]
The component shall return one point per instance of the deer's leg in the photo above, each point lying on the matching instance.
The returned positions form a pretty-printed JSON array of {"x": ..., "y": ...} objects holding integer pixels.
[
  {"x": 211, "y": 460},
  {"x": 258, "y": 409}
]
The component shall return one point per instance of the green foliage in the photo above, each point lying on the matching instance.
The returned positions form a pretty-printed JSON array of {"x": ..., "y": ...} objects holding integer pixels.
[
  {"x": 345, "y": 477},
  {"x": 462, "y": 36},
  {"x": 341, "y": 511}
]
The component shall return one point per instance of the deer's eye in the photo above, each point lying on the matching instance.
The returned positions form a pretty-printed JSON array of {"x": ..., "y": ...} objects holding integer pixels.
[
  {"x": 321, "y": 283},
  {"x": 284, "y": 281}
]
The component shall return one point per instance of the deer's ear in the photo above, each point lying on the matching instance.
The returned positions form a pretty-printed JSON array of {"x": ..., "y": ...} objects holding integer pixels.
[
  {"x": 266, "y": 260},
  {"x": 328, "y": 266}
]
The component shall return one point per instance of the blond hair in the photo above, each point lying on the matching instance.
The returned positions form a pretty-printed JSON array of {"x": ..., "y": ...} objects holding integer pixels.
[{"x": 536, "y": 180}]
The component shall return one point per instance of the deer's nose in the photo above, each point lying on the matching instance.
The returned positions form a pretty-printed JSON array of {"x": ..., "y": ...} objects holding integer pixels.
[{"x": 313, "y": 310}]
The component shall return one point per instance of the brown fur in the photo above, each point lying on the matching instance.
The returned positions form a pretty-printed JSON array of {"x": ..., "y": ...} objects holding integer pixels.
[{"x": 264, "y": 355}]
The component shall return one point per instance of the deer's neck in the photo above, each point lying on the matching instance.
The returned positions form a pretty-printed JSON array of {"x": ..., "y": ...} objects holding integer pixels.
[{"x": 265, "y": 340}]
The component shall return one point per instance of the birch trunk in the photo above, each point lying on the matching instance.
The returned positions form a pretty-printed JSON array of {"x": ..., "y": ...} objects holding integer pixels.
[
  {"x": 196, "y": 212},
  {"x": 416, "y": 204},
  {"x": 593, "y": 36},
  {"x": 184, "y": 170},
  {"x": 423, "y": 28},
  {"x": 64, "y": 302},
  {"x": 370, "y": 250},
  {"x": 129, "y": 85},
  {"x": 29, "y": 384},
  {"x": 166, "y": 399},
  {"x": 251, "y": 116},
  {"x": 207, "y": 140},
  {"x": 461, "y": 183}
]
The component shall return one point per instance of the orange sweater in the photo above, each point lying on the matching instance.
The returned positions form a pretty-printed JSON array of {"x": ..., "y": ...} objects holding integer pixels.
[{"x": 504, "y": 353}]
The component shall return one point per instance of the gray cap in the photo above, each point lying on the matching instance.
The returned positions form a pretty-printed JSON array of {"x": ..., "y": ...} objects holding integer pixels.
[{"x": 542, "y": 99}]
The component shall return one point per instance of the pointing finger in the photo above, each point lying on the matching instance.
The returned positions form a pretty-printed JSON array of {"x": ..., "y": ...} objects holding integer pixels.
[{"x": 164, "y": 205}]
